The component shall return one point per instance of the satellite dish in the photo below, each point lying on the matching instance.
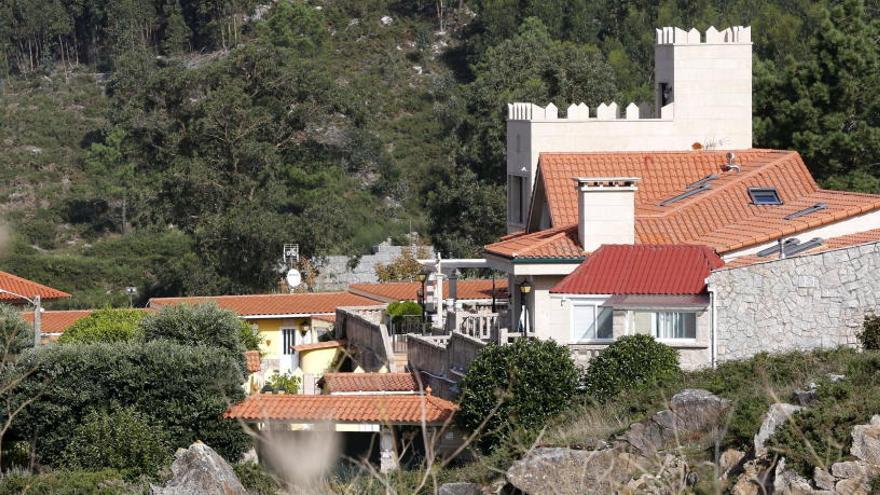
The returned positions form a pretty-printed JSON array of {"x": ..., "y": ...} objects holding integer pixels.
[{"x": 293, "y": 278}]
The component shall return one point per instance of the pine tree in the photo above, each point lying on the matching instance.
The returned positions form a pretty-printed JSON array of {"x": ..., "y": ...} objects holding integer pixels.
[{"x": 177, "y": 33}]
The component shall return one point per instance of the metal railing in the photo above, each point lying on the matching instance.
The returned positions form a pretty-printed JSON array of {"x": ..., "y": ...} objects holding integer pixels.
[{"x": 401, "y": 326}]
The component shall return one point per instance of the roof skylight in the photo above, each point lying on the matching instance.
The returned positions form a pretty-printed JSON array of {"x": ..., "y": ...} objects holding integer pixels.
[
  {"x": 791, "y": 247},
  {"x": 704, "y": 180},
  {"x": 765, "y": 196},
  {"x": 806, "y": 211}
]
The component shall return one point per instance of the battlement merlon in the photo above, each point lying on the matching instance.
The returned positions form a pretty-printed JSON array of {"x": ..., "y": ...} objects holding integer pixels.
[
  {"x": 581, "y": 112},
  {"x": 677, "y": 36}
]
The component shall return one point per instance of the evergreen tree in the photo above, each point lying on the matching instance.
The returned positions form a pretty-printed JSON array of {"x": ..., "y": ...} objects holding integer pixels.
[{"x": 177, "y": 33}]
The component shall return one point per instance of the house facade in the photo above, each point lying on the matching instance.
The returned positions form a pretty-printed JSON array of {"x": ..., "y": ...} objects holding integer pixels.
[{"x": 680, "y": 172}]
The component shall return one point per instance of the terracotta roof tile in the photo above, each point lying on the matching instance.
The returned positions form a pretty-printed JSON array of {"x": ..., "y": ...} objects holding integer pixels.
[
  {"x": 368, "y": 382},
  {"x": 551, "y": 243},
  {"x": 253, "y": 361},
  {"x": 327, "y": 318},
  {"x": 388, "y": 408},
  {"x": 408, "y": 291},
  {"x": 722, "y": 217},
  {"x": 25, "y": 287},
  {"x": 844, "y": 241},
  {"x": 307, "y": 303},
  {"x": 642, "y": 269}
]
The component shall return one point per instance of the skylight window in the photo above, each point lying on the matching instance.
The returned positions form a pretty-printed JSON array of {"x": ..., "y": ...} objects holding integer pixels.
[
  {"x": 765, "y": 196},
  {"x": 807, "y": 211},
  {"x": 791, "y": 247},
  {"x": 705, "y": 180}
]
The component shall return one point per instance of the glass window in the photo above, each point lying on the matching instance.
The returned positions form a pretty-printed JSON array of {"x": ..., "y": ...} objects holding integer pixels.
[
  {"x": 592, "y": 322},
  {"x": 288, "y": 340},
  {"x": 665, "y": 325},
  {"x": 765, "y": 196}
]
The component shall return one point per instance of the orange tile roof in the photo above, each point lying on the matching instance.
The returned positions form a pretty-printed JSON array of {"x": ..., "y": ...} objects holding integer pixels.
[
  {"x": 56, "y": 321},
  {"x": 722, "y": 217},
  {"x": 378, "y": 408},
  {"x": 25, "y": 287},
  {"x": 408, "y": 291},
  {"x": 844, "y": 241},
  {"x": 551, "y": 243},
  {"x": 268, "y": 305},
  {"x": 253, "y": 361},
  {"x": 368, "y": 382},
  {"x": 330, "y": 344}
]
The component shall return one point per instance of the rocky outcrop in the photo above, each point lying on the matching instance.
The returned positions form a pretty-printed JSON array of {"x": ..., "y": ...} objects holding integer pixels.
[
  {"x": 574, "y": 472},
  {"x": 641, "y": 460},
  {"x": 460, "y": 489},
  {"x": 775, "y": 417},
  {"x": 199, "y": 470},
  {"x": 845, "y": 477}
]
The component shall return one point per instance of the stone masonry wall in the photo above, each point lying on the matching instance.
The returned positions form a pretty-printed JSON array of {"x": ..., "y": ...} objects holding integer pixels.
[
  {"x": 338, "y": 272},
  {"x": 799, "y": 303}
]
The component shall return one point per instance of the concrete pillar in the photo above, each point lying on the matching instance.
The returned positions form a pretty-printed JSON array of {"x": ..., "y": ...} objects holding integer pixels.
[{"x": 387, "y": 455}]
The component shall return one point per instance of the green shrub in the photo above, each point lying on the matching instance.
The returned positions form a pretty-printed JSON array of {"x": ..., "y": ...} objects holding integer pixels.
[
  {"x": 105, "y": 325},
  {"x": 104, "y": 482},
  {"x": 286, "y": 383},
  {"x": 870, "y": 334},
  {"x": 518, "y": 386},
  {"x": 250, "y": 337},
  {"x": 121, "y": 438},
  {"x": 399, "y": 310},
  {"x": 197, "y": 325},
  {"x": 186, "y": 388},
  {"x": 15, "y": 334},
  {"x": 255, "y": 479},
  {"x": 630, "y": 362}
]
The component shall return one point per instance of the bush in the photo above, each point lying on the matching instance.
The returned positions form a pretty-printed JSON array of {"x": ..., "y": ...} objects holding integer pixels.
[
  {"x": 632, "y": 361},
  {"x": 870, "y": 334},
  {"x": 197, "y": 325},
  {"x": 15, "y": 334},
  {"x": 250, "y": 337},
  {"x": 518, "y": 386},
  {"x": 187, "y": 388},
  {"x": 121, "y": 438},
  {"x": 255, "y": 479},
  {"x": 103, "y": 482},
  {"x": 401, "y": 309},
  {"x": 106, "y": 325}
]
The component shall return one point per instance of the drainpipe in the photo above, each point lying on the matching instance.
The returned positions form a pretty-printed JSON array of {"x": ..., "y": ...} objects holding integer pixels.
[{"x": 713, "y": 318}]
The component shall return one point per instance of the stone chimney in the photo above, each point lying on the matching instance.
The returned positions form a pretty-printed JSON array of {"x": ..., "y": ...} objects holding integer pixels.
[{"x": 606, "y": 211}]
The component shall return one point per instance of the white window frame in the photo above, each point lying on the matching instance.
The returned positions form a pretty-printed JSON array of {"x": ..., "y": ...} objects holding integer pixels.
[
  {"x": 631, "y": 324},
  {"x": 596, "y": 303}
]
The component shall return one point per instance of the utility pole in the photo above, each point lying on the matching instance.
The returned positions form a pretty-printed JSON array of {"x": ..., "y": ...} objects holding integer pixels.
[{"x": 37, "y": 323}]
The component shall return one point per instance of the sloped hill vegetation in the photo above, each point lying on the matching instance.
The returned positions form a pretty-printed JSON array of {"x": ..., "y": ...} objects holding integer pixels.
[{"x": 174, "y": 145}]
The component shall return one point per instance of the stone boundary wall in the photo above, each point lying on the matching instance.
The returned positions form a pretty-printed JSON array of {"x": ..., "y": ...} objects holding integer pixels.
[
  {"x": 442, "y": 360},
  {"x": 805, "y": 302},
  {"x": 367, "y": 340},
  {"x": 337, "y": 272}
]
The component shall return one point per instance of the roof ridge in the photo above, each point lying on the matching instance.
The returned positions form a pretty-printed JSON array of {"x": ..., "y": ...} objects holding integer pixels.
[{"x": 668, "y": 152}]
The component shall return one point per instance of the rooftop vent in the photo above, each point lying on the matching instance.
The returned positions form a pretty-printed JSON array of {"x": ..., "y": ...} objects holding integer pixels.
[
  {"x": 807, "y": 211},
  {"x": 688, "y": 193},
  {"x": 791, "y": 247},
  {"x": 764, "y": 196},
  {"x": 731, "y": 163}
]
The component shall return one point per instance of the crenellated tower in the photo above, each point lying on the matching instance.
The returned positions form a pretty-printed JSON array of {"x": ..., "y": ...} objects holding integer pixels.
[{"x": 703, "y": 98}]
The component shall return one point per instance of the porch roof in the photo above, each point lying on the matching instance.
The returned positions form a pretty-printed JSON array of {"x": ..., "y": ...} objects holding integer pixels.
[{"x": 368, "y": 408}]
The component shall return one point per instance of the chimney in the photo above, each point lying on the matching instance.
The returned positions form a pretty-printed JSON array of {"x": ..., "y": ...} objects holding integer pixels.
[{"x": 606, "y": 211}]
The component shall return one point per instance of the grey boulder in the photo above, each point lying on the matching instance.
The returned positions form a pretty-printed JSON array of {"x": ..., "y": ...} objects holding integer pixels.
[{"x": 199, "y": 470}]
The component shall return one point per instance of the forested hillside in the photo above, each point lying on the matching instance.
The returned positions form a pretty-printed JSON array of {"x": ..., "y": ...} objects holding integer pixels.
[{"x": 174, "y": 145}]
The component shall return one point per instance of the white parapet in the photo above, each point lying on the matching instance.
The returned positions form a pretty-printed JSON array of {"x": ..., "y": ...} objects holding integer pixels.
[
  {"x": 678, "y": 36},
  {"x": 581, "y": 112}
]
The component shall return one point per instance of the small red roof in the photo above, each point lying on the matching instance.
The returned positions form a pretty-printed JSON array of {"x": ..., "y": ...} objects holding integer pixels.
[
  {"x": 25, "y": 287},
  {"x": 269, "y": 305},
  {"x": 368, "y": 382},
  {"x": 642, "y": 269},
  {"x": 373, "y": 408},
  {"x": 408, "y": 291}
]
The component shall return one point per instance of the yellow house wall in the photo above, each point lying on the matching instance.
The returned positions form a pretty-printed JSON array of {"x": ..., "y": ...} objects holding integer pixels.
[
  {"x": 317, "y": 361},
  {"x": 270, "y": 331}
]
